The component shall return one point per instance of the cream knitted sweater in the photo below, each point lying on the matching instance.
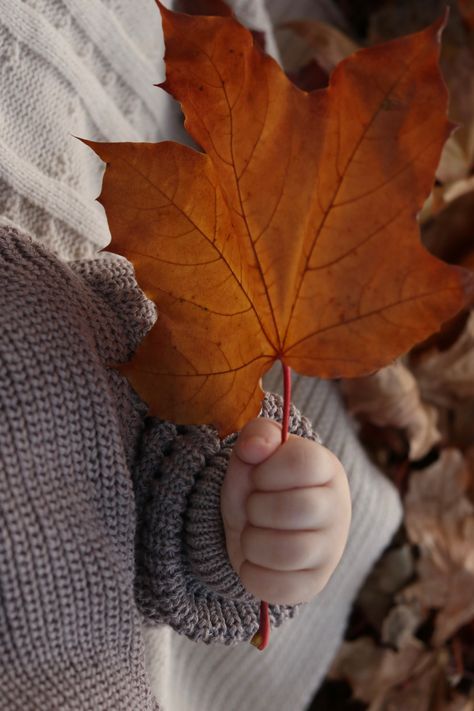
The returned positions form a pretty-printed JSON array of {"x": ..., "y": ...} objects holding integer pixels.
[{"x": 71, "y": 67}]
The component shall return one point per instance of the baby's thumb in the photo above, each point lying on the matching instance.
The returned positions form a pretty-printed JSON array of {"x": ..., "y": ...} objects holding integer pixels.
[{"x": 258, "y": 440}]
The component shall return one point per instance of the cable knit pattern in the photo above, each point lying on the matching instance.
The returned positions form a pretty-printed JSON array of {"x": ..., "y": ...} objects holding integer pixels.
[{"x": 97, "y": 66}]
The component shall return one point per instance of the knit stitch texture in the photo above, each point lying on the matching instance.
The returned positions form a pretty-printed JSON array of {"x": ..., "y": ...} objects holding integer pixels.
[
  {"x": 84, "y": 475},
  {"x": 71, "y": 430}
]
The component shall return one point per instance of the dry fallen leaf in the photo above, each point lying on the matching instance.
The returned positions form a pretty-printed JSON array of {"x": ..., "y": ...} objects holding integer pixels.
[
  {"x": 390, "y": 680},
  {"x": 450, "y": 234},
  {"x": 392, "y": 397},
  {"x": 461, "y": 187},
  {"x": 389, "y": 575},
  {"x": 446, "y": 377},
  {"x": 401, "y": 624},
  {"x": 325, "y": 44},
  {"x": 440, "y": 520},
  {"x": 460, "y": 703},
  {"x": 457, "y": 63},
  {"x": 203, "y": 7},
  {"x": 294, "y": 235}
]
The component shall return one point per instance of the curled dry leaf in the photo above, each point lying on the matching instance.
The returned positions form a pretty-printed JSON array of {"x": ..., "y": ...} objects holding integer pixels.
[
  {"x": 325, "y": 44},
  {"x": 466, "y": 8},
  {"x": 203, "y": 7},
  {"x": 425, "y": 689},
  {"x": 439, "y": 519},
  {"x": 457, "y": 63},
  {"x": 390, "y": 680},
  {"x": 458, "y": 188},
  {"x": 401, "y": 624},
  {"x": 446, "y": 377},
  {"x": 294, "y": 236},
  {"x": 392, "y": 397},
  {"x": 450, "y": 234},
  {"x": 460, "y": 703},
  {"x": 389, "y": 575},
  {"x": 469, "y": 457}
]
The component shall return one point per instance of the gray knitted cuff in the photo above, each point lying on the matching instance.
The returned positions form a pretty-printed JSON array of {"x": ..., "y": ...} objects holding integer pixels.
[
  {"x": 120, "y": 314},
  {"x": 184, "y": 576}
]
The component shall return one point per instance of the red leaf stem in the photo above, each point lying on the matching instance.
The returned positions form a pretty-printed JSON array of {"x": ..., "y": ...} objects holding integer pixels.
[{"x": 262, "y": 636}]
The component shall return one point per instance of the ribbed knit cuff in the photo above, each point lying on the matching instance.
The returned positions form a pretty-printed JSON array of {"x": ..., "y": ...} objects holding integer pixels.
[
  {"x": 184, "y": 576},
  {"x": 120, "y": 314}
]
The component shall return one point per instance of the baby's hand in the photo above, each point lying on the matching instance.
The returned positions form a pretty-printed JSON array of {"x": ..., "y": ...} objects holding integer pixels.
[{"x": 286, "y": 512}]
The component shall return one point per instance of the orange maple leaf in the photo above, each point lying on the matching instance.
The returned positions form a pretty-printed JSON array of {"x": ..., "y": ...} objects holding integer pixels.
[{"x": 294, "y": 235}]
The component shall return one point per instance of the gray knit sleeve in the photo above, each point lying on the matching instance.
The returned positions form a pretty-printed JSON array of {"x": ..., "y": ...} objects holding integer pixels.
[
  {"x": 184, "y": 576},
  {"x": 98, "y": 315},
  {"x": 70, "y": 632}
]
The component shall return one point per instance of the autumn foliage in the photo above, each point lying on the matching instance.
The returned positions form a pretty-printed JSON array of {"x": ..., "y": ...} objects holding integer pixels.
[{"x": 292, "y": 234}]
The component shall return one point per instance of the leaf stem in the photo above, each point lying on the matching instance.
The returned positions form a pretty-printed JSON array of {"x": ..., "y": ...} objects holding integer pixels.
[
  {"x": 262, "y": 635},
  {"x": 286, "y": 401}
]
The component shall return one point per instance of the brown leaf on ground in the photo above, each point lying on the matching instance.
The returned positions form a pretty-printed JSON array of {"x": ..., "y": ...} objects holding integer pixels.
[
  {"x": 326, "y": 44},
  {"x": 458, "y": 426},
  {"x": 392, "y": 397},
  {"x": 457, "y": 63},
  {"x": 299, "y": 62},
  {"x": 469, "y": 457},
  {"x": 458, "y": 188},
  {"x": 388, "y": 576},
  {"x": 439, "y": 519},
  {"x": 449, "y": 235},
  {"x": 390, "y": 680},
  {"x": 401, "y": 624},
  {"x": 309, "y": 77},
  {"x": 217, "y": 8},
  {"x": 447, "y": 377},
  {"x": 424, "y": 690},
  {"x": 460, "y": 703}
]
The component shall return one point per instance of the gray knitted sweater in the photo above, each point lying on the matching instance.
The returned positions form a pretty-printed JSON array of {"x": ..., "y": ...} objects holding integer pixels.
[
  {"x": 72, "y": 434},
  {"x": 112, "y": 557}
]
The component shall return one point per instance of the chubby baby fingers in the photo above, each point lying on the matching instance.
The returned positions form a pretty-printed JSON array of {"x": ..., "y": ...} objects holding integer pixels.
[
  {"x": 295, "y": 509},
  {"x": 283, "y": 587},
  {"x": 297, "y": 463},
  {"x": 285, "y": 550}
]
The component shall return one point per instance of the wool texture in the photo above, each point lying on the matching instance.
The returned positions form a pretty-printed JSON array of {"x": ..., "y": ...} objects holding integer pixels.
[{"x": 116, "y": 591}]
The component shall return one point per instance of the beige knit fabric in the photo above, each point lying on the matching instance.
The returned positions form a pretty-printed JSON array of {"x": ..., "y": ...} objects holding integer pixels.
[{"x": 71, "y": 67}]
